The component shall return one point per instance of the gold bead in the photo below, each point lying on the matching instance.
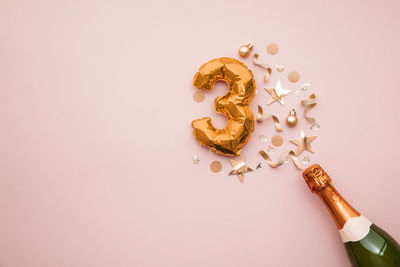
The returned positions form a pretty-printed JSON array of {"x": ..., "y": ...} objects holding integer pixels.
[
  {"x": 291, "y": 119},
  {"x": 244, "y": 50}
]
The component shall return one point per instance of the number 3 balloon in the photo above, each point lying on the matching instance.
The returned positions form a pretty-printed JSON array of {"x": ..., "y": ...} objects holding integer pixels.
[{"x": 234, "y": 105}]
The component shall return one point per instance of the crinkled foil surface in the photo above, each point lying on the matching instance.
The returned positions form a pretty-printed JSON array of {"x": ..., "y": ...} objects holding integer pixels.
[{"x": 234, "y": 105}]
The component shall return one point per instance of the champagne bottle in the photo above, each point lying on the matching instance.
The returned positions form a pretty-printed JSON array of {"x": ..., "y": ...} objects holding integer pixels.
[{"x": 366, "y": 244}]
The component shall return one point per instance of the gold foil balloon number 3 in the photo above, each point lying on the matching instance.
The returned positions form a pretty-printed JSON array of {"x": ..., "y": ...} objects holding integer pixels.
[{"x": 234, "y": 105}]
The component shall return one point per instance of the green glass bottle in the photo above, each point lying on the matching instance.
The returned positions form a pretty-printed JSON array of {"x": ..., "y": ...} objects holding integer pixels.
[{"x": 366, "y": 244}]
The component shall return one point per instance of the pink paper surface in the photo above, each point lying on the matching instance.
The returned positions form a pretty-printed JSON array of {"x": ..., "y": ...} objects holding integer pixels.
[{"x": 96, "y": 145}]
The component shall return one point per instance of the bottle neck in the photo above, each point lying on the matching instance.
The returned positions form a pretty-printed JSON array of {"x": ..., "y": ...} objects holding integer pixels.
[
  {"x": 352, "y": 226},
  {"x": 340, "y": 210}
]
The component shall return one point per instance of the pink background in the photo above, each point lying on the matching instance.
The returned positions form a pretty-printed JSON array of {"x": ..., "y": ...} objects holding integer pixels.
[{"x": 96, "y": 145}]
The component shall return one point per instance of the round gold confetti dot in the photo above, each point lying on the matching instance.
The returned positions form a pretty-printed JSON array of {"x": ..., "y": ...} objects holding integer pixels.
[
  {"x": 272, "y": 49},
  {"x": 198, "y": 96},
  {"x": 216, "y": 166},
  {"x": 294, "y": 76},
  {"x": 277, "y": 140}
]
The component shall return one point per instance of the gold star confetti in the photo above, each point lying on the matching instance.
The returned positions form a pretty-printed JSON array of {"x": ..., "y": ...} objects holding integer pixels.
[
  {"x": 303, "y": 143},
  {"x": 277, "y": 93},
  {"x": 239, "y": 168}
]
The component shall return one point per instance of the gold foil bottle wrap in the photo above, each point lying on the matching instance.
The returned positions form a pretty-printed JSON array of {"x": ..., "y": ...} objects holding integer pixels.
[
  {"x": 234, "y": 105},
  {"x": 320, "y": 183},
  {"x": 316, "y": 178}
]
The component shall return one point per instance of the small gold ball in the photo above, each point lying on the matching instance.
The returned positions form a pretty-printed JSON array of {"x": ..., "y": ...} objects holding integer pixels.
[
  {"x": 244, "y": 50},
  {"x": 291, "y": 119}
]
